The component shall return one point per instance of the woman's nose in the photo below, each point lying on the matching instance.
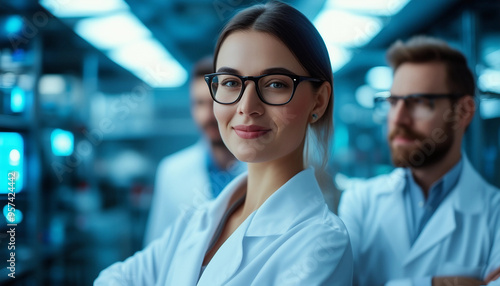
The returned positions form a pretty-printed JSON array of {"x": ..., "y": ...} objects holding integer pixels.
[{"x": 250, "y": 103}]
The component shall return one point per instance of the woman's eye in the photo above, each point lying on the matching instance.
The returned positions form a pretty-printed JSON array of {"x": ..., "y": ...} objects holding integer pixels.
[
  {"x": 230, "y": 83},
  {"x": 277, "y": 85}
]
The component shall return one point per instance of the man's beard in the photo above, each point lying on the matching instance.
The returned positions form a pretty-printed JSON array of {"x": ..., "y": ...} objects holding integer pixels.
[
  {"x": 427, "y": 152},
  {"x": 214, "y": 142}
]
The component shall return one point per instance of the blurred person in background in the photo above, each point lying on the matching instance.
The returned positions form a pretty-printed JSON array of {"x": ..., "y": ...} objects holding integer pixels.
[
  {"x": 197, "y": 174},
  {"x": 433, "y": 220},
  {"x": 270, "y": 226}
]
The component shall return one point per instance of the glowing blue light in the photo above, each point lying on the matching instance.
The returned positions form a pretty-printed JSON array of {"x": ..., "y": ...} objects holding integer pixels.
[
  {"x": 489, "y": 80},
  {"x": 15, "y": 216},
  {"x": 112, "y": 31},
  {"x": 364, "y": 96},
  {"x": 84, "y": 8},
  {"x": 62, "y": 142},
  {"x": 17, "y": 99},
  {"x": 345, "y": 28},
  {"x": 489, "y": 108},
  {"x": 338, "y": 56},
  {"x": 372, "y": 7},
  {"x": 151, "y": 62},
  {"x": 13, "y": 25},
  {"x": 379, "y": 78},
  {"x": 11, "y": 162}
]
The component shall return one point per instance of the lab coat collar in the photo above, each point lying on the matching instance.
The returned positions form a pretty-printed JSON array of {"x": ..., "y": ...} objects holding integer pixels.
[
  {"x": 392, "y": 213},
  {"x": 299, "y": 194},
  {"x": 468, "y": 199},
  {"x": 464, "y": 198}
]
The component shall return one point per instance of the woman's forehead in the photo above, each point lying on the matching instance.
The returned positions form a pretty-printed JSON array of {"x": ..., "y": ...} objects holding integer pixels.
[{"x": 252, "y": 52}]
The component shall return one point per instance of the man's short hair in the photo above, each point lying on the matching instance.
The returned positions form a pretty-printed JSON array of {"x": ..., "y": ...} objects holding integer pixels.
[
  {"x": 423, "y": 49},
  {"x": 203, "y": 67}
]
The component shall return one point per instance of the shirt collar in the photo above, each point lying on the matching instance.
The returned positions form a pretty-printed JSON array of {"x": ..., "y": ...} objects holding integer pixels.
[
  {"x": 299, "y": 195},
  {"x": 442, "y": 186}
]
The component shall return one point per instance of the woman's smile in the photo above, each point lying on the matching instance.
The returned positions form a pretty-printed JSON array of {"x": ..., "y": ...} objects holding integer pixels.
[{"x": 250, "y": 131}]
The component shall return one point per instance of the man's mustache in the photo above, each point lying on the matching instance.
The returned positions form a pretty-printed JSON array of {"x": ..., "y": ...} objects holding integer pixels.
[{"x": 406, "y": 133}]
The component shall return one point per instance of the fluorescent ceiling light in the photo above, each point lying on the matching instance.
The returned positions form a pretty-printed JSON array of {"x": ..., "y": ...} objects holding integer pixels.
[
  {"x": 112, "y": 31},
  {"x": 338, "y": 56},
  {"x": 166, "y": 73},
  {"x": 372, "y": 7},
  {"x": 379, "y": 78},
  {"x": 83, "y": 8},
  {"x": 489, "y": 108},
  {"x": 493, "y": 58},
  {"x": 151, "y": 62},
  {"x": 347, "y": 29},
  {"x": 489, "y": 80}
]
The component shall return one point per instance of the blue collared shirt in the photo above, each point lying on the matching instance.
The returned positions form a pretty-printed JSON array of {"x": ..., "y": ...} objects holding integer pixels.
[
  {"x": 220, "y": 178},
  {"x": 419, "y": 209}
]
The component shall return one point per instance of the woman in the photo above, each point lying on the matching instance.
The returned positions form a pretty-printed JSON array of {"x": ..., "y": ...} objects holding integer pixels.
[{"x": 270, "y": 226}]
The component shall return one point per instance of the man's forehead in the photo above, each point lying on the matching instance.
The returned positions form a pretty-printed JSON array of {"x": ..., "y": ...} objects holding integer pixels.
[{"x": 420, "y": 78}]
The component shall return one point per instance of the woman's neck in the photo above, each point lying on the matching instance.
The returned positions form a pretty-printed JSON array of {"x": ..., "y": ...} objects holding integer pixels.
[{"x": 267, "y": 177}]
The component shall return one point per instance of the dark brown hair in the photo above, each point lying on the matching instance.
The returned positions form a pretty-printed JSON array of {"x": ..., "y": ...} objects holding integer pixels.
[
  {"x": 423, "y": 49},
  {"x": 202, "y": 67}
]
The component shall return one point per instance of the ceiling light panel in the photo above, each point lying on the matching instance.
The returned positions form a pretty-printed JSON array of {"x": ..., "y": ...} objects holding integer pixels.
[
  {"x": 347, "y": 29},
  {"x": 372, "y": 7},
  {"x": 83, "y": 8}
]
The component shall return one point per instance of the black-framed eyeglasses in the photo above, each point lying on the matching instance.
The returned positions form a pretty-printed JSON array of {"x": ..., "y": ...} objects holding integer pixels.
[
  {"x": 272, "y": 89},
  {"x": 420, "y": 105}
]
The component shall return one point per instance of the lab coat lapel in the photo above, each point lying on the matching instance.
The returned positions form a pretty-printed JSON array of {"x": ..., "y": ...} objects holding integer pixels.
[
  {"x": 191, "y": 253},
  {"x": 393, "y": 218},
  {"x": 226, "y": 260},
  {"x": 442, "y": 224},
  {"x": 274, "y": 217}
]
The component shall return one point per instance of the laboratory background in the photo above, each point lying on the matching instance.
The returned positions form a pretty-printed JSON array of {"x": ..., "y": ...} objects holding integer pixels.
[{"x": 94, "y": 93}]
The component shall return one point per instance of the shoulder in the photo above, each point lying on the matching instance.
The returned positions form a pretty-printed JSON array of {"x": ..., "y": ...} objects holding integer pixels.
[
  {"x": 186, "y": 157},
  {"x": 324, "y": 228},
  {"x": 374, "y": 188}
]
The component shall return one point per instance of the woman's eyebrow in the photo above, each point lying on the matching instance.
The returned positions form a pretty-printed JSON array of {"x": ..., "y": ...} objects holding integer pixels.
[
  {"x": 265, "y": 71},
  {"x": 277, "y": 70},
  {"x": 228, "y": 70}
]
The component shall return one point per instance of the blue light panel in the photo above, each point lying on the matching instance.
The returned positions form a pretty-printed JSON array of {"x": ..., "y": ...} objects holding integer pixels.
[
  {"x": 62, "y": 142},
  {"x": 17, "y": 99},
  {"x": 11, "y": 160}
]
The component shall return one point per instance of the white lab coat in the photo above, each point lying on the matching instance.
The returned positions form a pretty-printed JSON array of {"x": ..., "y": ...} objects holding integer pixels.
[
  {"x": 186, "y": 168},
  {"x": 292, "y": 239},
  {"x": 462, "y": 238}
]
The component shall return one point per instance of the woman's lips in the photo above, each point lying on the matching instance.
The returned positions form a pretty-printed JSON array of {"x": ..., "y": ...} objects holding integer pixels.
[{"x": 250, "y": 131}]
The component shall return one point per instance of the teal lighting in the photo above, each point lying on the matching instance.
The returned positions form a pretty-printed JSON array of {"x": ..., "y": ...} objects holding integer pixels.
[
  {"x": 13, "y": 25},
  {"x": 11, "y": 162},
  {"x": 62, "y": 142},
  {"x": 15, "y": 216},
  {"x": 17, "y": 99}
]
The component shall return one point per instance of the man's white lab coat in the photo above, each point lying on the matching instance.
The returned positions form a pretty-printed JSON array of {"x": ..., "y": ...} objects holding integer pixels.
[{"x": 462, "y": 238}]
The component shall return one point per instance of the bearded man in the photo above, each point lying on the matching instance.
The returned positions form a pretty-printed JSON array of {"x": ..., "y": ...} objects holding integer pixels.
[{"x": 433, "y": 220}]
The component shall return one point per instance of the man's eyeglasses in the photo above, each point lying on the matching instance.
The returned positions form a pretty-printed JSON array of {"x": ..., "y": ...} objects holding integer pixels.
[
  {"x": 272, "y": 89},
  {"x": 420, "y": 105}
]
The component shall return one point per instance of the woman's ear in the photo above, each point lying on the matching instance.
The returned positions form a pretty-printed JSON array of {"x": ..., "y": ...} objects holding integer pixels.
[{"x": 322, "y": 98}]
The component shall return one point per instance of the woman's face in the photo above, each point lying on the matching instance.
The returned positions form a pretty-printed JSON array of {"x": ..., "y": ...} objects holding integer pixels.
[{"x": 252, "y": 130}]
